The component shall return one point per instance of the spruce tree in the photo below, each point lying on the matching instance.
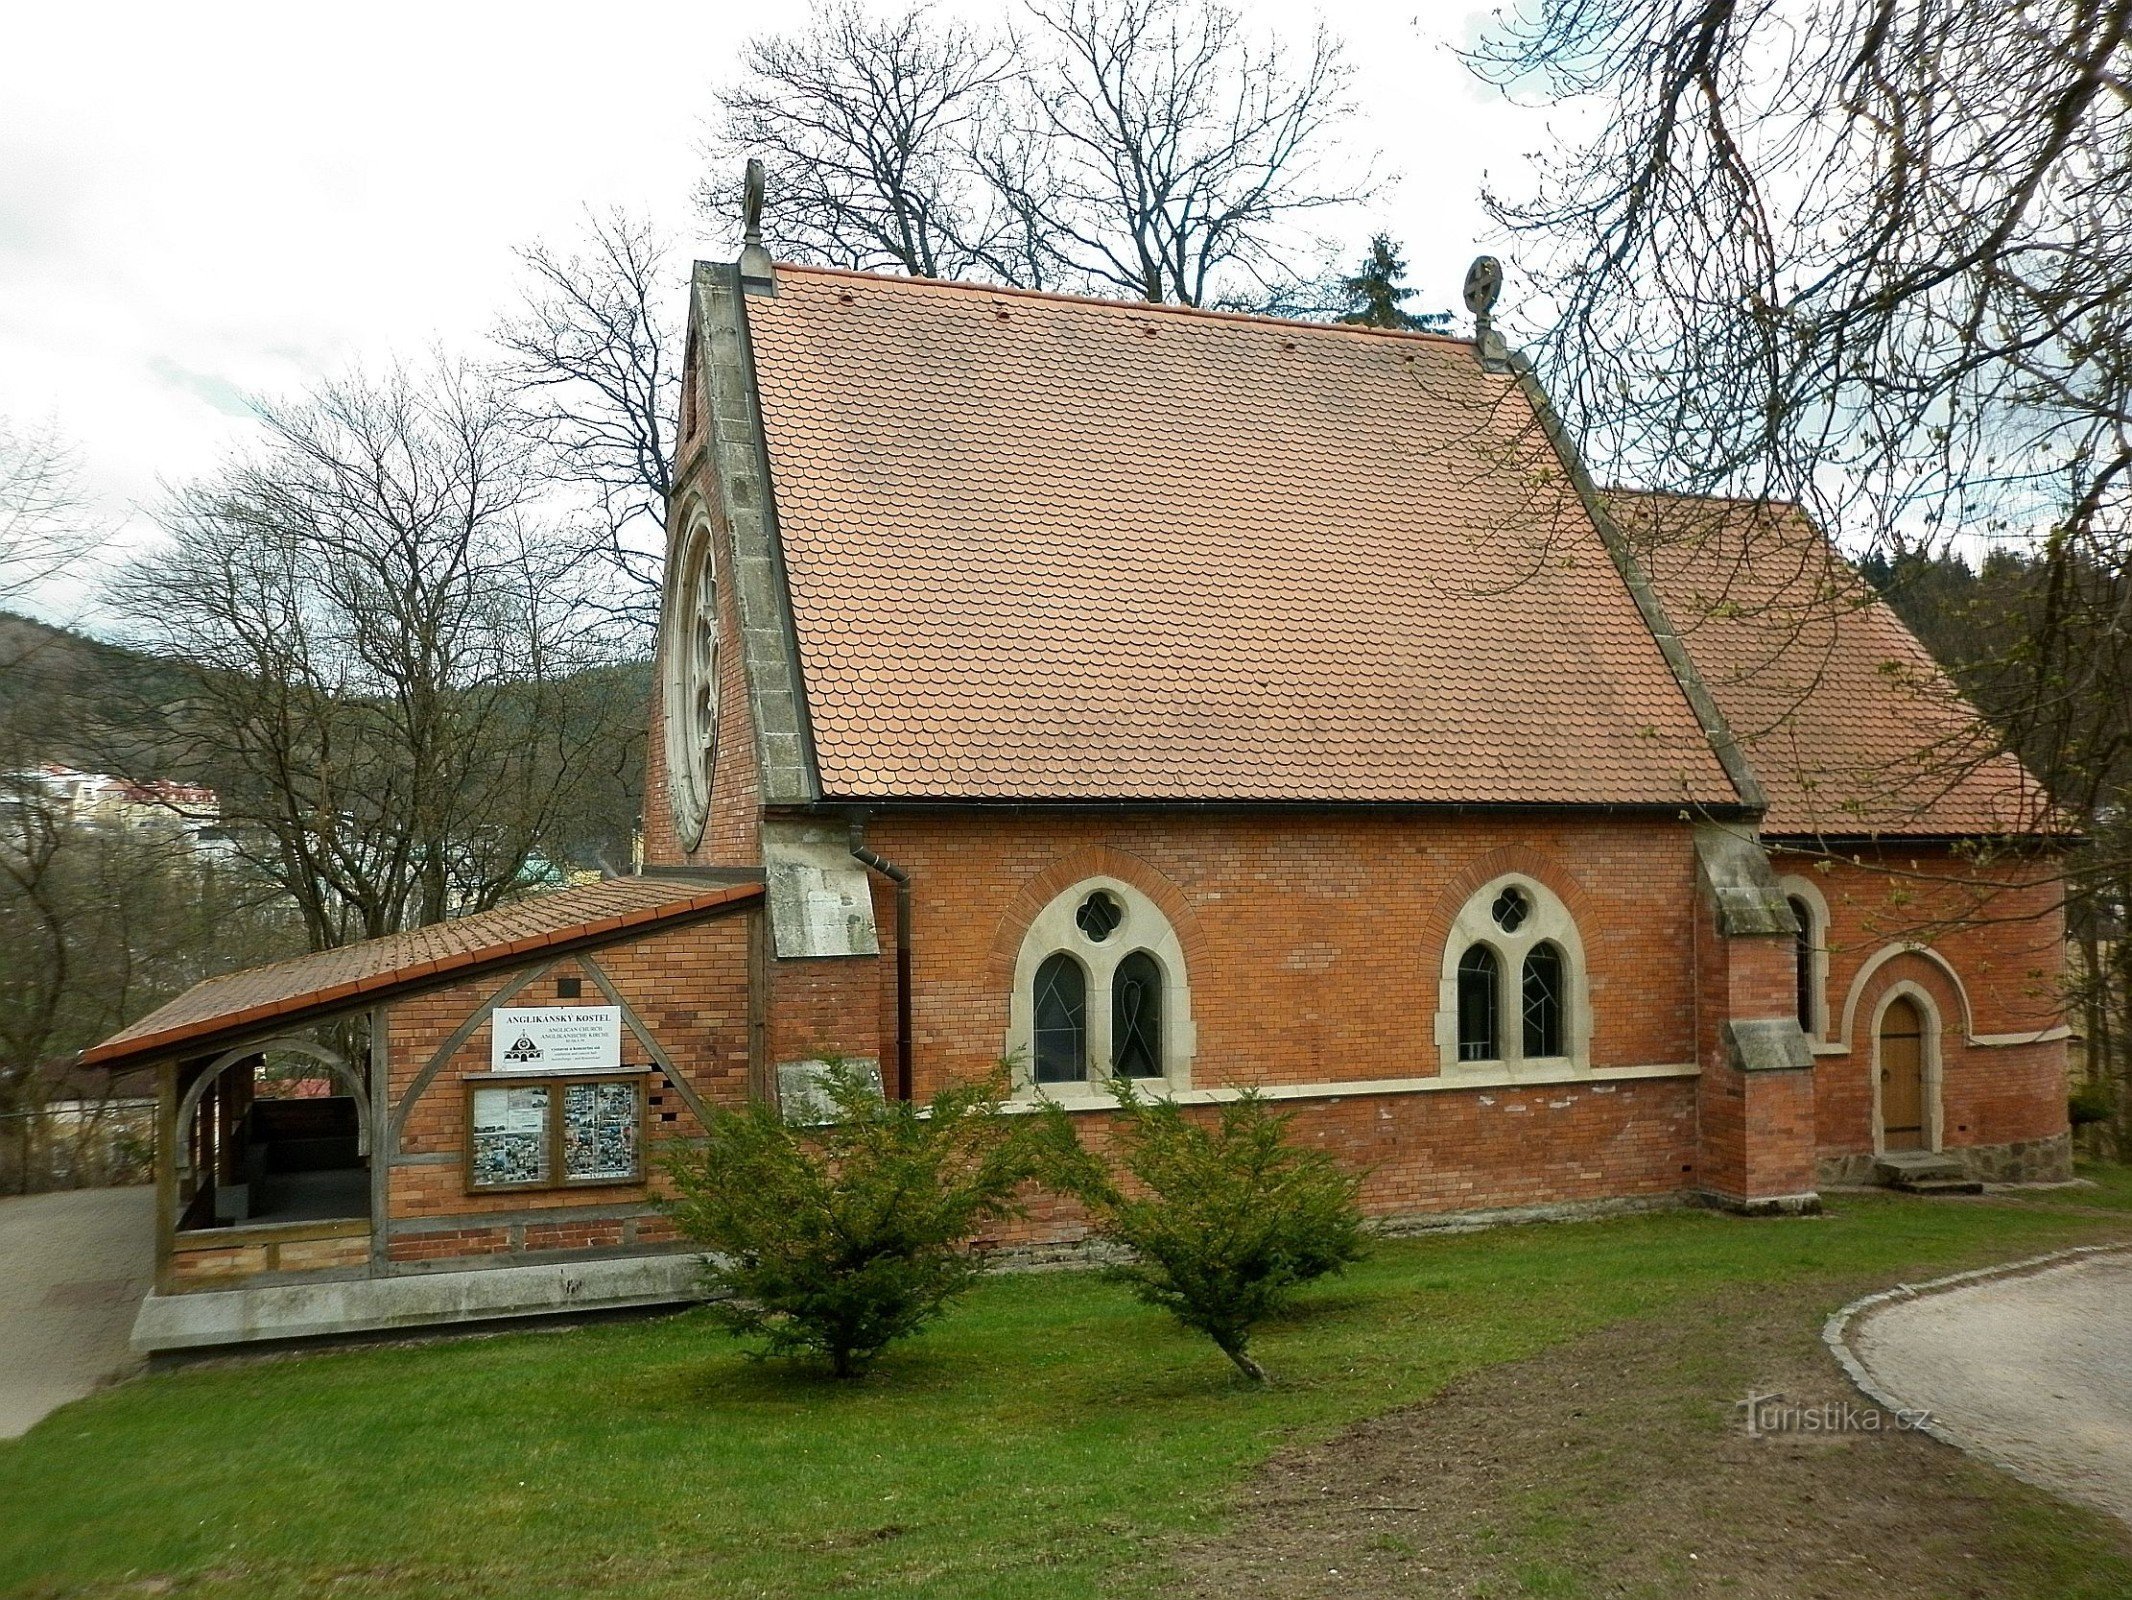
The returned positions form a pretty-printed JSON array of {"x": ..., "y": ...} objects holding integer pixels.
[{"x": 1374, "y": 295}]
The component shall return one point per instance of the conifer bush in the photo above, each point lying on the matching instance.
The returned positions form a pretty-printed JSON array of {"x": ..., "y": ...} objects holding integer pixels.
[
  {"x": 834, "y": 1241},
  {"x": 1223, "y": 1220}
]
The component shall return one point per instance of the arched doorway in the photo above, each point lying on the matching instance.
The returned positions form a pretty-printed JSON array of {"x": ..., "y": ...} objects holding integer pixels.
[{"x": 1902, "y": 1077}]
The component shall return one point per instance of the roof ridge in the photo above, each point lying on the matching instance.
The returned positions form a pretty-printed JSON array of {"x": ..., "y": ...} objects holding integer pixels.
[{"x": 1133, "y": 307}]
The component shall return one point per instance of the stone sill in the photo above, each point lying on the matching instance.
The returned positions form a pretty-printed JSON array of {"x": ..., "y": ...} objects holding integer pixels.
[
  {"x": 1094, "y": 1098},
  {"x": 206, "y": 1318}
]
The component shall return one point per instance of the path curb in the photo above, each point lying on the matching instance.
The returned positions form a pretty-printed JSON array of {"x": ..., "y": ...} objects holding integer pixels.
[{"x": 1835, "y": 1333}]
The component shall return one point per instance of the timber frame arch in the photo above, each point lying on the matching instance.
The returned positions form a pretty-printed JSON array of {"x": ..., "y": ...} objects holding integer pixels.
[{"x": 281, "y": 1045}]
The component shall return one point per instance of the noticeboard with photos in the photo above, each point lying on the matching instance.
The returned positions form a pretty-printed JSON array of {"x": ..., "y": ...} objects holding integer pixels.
[{"x": 554, "y": 1131}]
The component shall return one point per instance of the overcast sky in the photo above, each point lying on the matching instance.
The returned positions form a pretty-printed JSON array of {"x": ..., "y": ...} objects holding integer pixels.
[{"x": 207, "y": 201}]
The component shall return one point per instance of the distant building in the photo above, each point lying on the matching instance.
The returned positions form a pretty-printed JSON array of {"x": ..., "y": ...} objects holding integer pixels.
[{"x": 188, "y": 812}]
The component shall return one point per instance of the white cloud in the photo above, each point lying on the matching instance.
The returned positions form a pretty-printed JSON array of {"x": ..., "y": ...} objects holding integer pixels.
[{"x": 200, "y": 202}]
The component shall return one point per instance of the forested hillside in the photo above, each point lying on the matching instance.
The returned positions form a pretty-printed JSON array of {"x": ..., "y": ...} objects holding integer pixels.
[{"x": 68, "y": 698}]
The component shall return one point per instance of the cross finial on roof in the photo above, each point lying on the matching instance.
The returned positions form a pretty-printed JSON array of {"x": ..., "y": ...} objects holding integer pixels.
[
  {"x": 1484, "y": 282},
  {"x": 756, "y": 269}
]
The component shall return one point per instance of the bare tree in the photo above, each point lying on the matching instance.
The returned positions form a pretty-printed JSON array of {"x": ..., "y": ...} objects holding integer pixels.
[
  {"x": 593, "y": 354},
  {"x": 1179, "y": 155},
  {"x": 45, "y": 520},
  {"x": 1150, "y": 147},
  {"x": 864, "y": 124},
  {"x": 103, "y": 923},
  {"x": 1877, "y": 259},
  {"x": 386, "y": 655}
]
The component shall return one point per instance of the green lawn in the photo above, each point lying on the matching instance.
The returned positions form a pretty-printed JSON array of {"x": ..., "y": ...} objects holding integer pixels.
[{"x": 1043, "y": 1441}]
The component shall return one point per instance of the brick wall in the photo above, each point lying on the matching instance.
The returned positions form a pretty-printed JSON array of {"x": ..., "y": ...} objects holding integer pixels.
[
  {"x": 1756, "y": 1127},
  {"x": 687, "y": 985},
  {"x": 732, "y": 835},
  {"x": 1314, "y": 946},
  {"x": 1314, "y": 942},
  {"x": 1999, "y": 926}
]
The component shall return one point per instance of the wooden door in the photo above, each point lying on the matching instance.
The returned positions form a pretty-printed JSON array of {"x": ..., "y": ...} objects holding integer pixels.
[{"x": 1902, "y": 1076}]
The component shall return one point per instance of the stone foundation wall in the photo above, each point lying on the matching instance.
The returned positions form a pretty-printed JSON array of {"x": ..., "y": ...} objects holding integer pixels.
[{"x": 2047, "y": 1160}]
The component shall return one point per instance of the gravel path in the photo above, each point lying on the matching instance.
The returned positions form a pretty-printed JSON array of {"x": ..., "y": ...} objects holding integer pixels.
[
  {"x": 2033, "y": 1372},
  {"x": 73, "y": 1268}
]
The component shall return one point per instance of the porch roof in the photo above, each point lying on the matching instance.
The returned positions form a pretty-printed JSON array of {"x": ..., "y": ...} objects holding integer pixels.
[{"x": 330, "y": 981}]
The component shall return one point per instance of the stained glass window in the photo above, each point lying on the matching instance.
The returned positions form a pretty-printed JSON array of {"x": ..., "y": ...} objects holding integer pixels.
[
  {"x": 1099, "y": 916},
  {"x": 1136, "y": 1016},
  {"x": 1803, "y": 961},
  {"x": 1479, "y": 1037},
  {"x": 1543, "y": 1001},
  {"x": 1511, "y": 908},
  {"x": 1061, "y": 1021}
]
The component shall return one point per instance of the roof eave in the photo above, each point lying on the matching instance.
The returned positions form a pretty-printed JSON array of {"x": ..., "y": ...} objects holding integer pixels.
[
  {"x": 1677, "y": 805},
  {"x": 360, "y": 994}
]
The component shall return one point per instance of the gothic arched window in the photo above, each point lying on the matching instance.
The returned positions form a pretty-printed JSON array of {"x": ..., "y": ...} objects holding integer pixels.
[
  {"x": 1543, "y": 1001},
  {"x": 1061, "y": 1021},
  {"x": 1136, "y": 1017},
  {"x": 1511, "y": 992},
  {"x": 1803, "y": 961},
  {"x": 1479, "y": 1026},
  {"x": 1101, "y": 990}
]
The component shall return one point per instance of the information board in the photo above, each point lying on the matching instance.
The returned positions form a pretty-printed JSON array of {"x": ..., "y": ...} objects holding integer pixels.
[
  {"x": 555, "y": 1038},
  {"x": 510, "y": 1131}
]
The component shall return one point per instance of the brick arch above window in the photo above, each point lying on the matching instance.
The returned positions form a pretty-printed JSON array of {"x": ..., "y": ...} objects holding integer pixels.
[
  {"x": 1916, "y": 966},
  {"x": 1548, "y": 920},
  {"x": 1518, "y": 861},
  {"x": 1093, "y": 862}
]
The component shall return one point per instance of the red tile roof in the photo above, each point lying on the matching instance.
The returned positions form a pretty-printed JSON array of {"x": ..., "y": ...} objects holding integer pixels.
[
  {"x": 1055, "y": 549},
  {"x": 1850, "y": 725},
  {"x": 334, "y": 980}
]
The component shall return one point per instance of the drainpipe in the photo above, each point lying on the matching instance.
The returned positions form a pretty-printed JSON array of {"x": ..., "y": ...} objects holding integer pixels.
[{"x": 902, "y": 880}]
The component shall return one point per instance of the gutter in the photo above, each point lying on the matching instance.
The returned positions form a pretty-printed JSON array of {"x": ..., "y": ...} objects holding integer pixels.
[{"x": 902, "y": 880}]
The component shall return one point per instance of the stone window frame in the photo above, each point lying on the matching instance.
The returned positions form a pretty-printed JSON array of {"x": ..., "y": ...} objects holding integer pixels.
[
  {"x": 687, "y": 673},
  {"x": 1548, "y": 922},
  {"x": 1053, "y": 931},
  {"x": 1806, "y": 891}
]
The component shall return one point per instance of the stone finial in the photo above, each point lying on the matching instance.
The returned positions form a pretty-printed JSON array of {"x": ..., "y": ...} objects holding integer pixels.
[
  {"x": 756, "y": 269},
  {"x": 1484, "y": 282}
]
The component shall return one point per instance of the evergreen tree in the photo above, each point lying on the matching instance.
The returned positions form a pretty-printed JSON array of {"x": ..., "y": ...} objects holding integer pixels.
[{"x": 1374, "y": 295}]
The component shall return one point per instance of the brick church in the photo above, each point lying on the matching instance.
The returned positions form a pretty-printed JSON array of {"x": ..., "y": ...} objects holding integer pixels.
[{"x": 1221, "y": 702}]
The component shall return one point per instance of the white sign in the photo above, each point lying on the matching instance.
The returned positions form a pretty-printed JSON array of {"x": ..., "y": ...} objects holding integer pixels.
[{"x": 555, "y": 1038}]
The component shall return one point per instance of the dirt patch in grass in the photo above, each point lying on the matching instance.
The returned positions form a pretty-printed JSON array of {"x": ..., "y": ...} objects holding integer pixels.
[{"x": 1620, "y": 1465}]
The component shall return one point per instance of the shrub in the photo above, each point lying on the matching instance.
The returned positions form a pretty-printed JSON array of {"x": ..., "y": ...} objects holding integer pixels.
[
  {"x": 1223, "y": 1221},
  {"x": 834, "y": 1241}
]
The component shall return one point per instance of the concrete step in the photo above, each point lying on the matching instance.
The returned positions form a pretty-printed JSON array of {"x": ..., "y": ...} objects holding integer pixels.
[{"x": 1924, "y": 1172}]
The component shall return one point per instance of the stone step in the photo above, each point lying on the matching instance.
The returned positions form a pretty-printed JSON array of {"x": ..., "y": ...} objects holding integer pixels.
[
  {"x": 1939, "y": 1186},
  {"x": 1924, "y": 1172}
]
